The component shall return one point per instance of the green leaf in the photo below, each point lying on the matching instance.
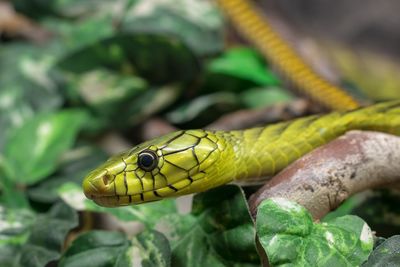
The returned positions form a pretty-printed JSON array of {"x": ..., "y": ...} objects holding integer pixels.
[
  {"x": 15, "y": 225},
  {"x": 218, "y": 232},
  {"x": 25, "y": 76},
  {"x": 386, "y": 254},
  {"x": 27, "y": 239},
  {"x": 377, "y": 208},
  {"x": 264, "y": 97},
  {"x": 106, "y": 249},
  {"x": 244, "y": 64},
  {"x": 14, "y": 231},
  {"x": 25, "y": 86},
  {"x": 159, "y": 59},
  {"x": 63, "y": 8},
  {"x": 10, "y": 195},
  {"x": 97, "y": 249},
  {"x": 120, "y": 100},
  {"x": 47, "y": 236},
  {"x": 151, "y": 102},
  {"x": 204, "y": 108},
  {"x": 198, "y": 23},
  {"x": 107, "y": 92},
  {"x": 74, "y": 35},
  {"x": 73, "y": 168},
  {"x": 148, "y": 214},
  {"x": 289, "y": 236},
  {"x": 13, "y": 112},
  {"x": 153, "y": 248},
  {"x": 33, "y": 150},
  {"x": 347, "y": 207}
]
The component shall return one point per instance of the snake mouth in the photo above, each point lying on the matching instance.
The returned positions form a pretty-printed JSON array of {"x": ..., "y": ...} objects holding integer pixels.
[
  {"x": 178, "y": 188},
  {"x": 113, "y": 201},
  {"x": 125, "y": 200}
]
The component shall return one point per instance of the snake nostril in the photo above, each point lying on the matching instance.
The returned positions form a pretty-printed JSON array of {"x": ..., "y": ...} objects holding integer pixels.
[{"x": 106, "y": 179}]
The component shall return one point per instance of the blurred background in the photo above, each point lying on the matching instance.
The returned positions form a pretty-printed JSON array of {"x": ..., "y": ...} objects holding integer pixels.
[{"x": 81, "y": 80}]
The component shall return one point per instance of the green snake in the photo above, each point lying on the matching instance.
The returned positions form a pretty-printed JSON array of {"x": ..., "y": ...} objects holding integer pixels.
[{"x": 191, "y": 161}]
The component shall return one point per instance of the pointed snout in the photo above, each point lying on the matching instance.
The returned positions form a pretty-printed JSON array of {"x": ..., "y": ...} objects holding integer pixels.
[{"x": 98, "y": 183}]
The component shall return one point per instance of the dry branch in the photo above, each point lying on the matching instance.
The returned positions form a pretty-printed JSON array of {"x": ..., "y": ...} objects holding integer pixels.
[
  {"x": 155, "y": 127},
  {"x": 254, "y": 117},
  {"x": 325, "y": 177}
]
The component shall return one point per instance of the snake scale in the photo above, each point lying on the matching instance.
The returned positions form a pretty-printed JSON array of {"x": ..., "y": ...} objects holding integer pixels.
[{"x": 191, "y": 161}]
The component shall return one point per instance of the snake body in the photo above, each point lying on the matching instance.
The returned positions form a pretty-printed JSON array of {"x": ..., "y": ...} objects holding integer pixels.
[
  {"x": 255, "y": 28},
  {"x": 191, "y": 161}
]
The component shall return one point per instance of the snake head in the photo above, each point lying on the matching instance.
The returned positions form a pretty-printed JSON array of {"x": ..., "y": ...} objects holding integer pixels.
[{"x": 172, "y": 165}]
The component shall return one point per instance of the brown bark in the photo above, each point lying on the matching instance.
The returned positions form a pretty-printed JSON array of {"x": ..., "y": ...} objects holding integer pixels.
[{"x": 325, "y": 177}]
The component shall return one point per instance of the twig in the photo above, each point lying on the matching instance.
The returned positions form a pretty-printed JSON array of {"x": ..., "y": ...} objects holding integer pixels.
[
  {"x": 155, "y": 127},
  {"x": 325, "y": 177},
  {"x": 250, "y": 118},
  {"x": 17, "y": 25}
]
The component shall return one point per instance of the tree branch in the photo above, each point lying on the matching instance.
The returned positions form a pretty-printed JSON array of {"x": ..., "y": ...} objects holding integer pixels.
[
  {"x": 325, "y": 177},
  {"x": 248, "y": 118}
]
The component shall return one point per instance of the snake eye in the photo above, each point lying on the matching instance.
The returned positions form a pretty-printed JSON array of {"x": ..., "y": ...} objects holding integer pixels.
[{"x": 147, "y": 160}]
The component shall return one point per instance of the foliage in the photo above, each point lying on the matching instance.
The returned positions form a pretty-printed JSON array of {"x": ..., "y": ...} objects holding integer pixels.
[
  {"x": 289, "y": 236},
  {"x": 386, "y": 254},
  {"x": 106, "y": 248},
  {"x": 218, "y": 232},
  {"x": 105, "y": 69},
  {"x": 30, "y": 239}
]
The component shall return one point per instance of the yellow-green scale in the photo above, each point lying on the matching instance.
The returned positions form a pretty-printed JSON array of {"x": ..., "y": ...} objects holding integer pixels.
[{"x": 262, "y": 152}]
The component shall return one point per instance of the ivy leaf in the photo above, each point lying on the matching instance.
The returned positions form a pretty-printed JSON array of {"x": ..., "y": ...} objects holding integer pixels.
[
  {"x": 33, "y": 150},
  {"x": 25, "y": 85},
  {"x": 25, "y": 77},
  {"x": 65, "y": 9},
  {"x": 152, "y": 101},
  {"x": 198, "y": 23},
  {"x": 14, "y": 232},
  {"x": 105, "y": 248},
  {"x": 386, "y": 254},
  {"x": 105, "y": 91},
  {"x": 28, "y": 239},
  {"x": 204, "y": 108},
  {"x": 97, "y": 248},
  {"x": 73, "y": 168},
  {"x": 218, "y": 232},
  {"x": 77, "y": 34},
  {"x": 378, "y": 208},
  {"x": 289, "y": 236},
  {"x": 153, "y": 248},
  {"x": 157, "y": 58},
  {"x": 47, "y": 236},
  {"x": 13, "y": 112},
  {"x": 10, "y": 195},
  {"x": 148, "y": 214},
  {"x": 239, "y": 68}
]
